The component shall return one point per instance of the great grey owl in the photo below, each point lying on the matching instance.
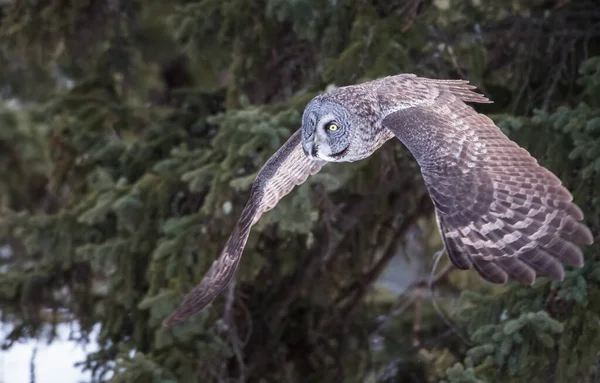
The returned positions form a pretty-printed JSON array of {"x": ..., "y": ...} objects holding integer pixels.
[{"x": 497, "y": 209}]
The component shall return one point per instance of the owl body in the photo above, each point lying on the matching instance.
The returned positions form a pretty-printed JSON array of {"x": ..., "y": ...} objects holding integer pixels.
[
  {"x": 357, "y": 112},
  {"x": 498, "y": 211}
]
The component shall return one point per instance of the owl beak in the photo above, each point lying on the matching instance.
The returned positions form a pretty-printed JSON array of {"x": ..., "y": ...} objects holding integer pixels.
[
  {"x": 311, "y": 150},
  {"x": 314, "y": 151},
  {"x": 310, "y": 146}
]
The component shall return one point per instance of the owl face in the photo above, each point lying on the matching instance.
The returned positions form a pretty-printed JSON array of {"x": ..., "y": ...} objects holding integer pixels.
[{"x": 327, "y": 131}]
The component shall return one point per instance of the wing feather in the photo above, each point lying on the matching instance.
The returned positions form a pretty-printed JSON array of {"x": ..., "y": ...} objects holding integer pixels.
[
  {"x": 497, "y": 209},
  {"x": 287, "y": 168}
]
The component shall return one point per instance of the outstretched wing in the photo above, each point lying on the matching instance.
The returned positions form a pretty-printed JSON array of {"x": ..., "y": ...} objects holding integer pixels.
[
  {"x": 287, "y": 168},
  {"x": 497, "y": 209}
]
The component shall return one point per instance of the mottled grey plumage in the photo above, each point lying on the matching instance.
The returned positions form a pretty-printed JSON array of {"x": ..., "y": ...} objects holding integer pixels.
[{"x": 497, "y": 209}]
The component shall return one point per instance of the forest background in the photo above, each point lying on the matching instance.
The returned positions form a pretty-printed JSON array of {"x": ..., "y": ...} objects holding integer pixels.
[{"x": 131, "y": 131}]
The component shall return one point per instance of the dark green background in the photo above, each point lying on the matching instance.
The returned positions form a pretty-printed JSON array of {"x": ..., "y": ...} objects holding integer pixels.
[{"x": 130, "y": 133}]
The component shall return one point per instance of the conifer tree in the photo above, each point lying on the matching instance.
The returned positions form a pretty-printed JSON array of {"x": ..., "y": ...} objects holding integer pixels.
[{"x": 131, "y": 131}]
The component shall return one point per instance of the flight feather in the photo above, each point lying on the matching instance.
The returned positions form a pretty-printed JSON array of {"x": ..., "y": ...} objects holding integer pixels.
[
  {"x": 498, "y": 210},
  {"x": 287, "y": 168}
]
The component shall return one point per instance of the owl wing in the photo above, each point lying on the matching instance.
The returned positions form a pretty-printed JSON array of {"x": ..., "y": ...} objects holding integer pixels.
[
  {"x": 497, "y": 209},
  {"x": 287, "y": 168}
]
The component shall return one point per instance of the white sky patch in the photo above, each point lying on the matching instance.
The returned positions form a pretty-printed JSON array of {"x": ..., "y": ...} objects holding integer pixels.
[
  {"x": 53, "y": 363},
  {"x": 5, "y": 252}
]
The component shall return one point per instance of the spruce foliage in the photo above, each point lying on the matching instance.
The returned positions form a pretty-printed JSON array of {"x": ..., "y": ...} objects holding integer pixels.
[{"x": 131, "y": 132}]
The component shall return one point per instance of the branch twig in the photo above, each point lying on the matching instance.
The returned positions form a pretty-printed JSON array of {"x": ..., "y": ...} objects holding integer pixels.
[{"x": 358, "y": 289}]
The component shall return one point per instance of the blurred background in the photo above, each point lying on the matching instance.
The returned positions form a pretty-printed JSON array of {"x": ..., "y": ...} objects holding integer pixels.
[{"x": 131, "y": 131}]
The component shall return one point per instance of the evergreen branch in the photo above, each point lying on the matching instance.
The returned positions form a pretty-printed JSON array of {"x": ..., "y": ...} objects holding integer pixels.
[
  {"x": 299, "y": 280},
  {"x": 356, "y": 292}
]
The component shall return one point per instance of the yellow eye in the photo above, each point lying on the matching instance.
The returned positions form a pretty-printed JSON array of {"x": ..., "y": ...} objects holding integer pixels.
[{"x": 332, "y": 127}]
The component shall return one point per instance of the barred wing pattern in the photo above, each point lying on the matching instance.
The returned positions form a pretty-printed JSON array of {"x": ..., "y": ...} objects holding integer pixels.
[
  {"x": 287, "y": 168},
  {"x": 497, "y": 209}
]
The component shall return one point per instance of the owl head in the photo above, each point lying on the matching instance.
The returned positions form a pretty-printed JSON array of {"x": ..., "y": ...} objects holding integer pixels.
[{"x": 327, "y": 131}]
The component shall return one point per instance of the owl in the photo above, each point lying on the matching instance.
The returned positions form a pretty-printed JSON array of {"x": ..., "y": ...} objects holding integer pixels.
[{"x": 498, "y": 211}]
